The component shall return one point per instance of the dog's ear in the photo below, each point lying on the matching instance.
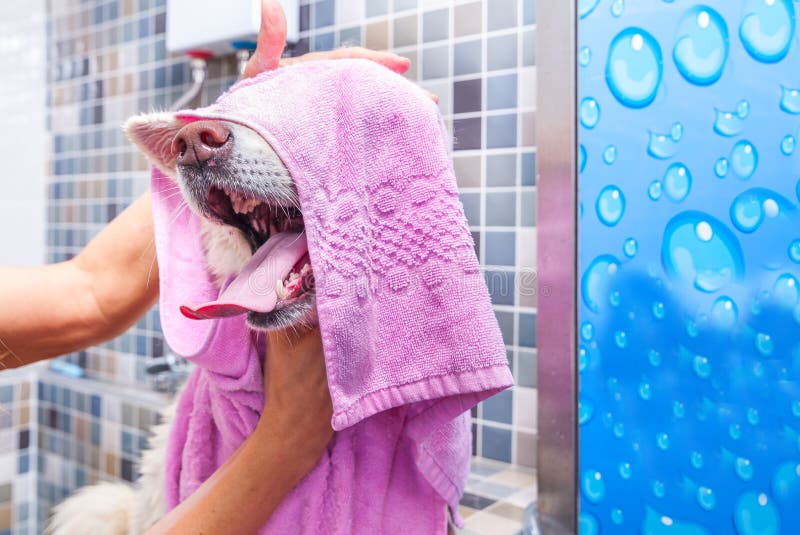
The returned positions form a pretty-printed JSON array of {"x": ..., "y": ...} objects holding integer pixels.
[{"x": 153, "y": 134}]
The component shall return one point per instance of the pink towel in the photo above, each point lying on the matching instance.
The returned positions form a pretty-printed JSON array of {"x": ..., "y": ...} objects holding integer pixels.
[{"x": 410, "y": 339}]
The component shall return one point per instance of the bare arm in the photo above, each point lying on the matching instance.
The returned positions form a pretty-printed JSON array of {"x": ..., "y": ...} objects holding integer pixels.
[
  {"x": 243, "y": 493},
  {"x": 52, "y": 310}
]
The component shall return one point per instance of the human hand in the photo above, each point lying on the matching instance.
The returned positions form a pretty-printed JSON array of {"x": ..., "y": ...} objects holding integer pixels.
[
  {"x": 297, "y": 408},
  {"x": 272, "y": 40}
]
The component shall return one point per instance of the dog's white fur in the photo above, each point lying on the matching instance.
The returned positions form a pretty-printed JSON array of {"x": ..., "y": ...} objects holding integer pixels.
[{"x": 121, "y": 508}]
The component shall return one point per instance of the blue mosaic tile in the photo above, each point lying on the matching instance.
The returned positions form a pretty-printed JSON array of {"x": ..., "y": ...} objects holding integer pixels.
[
  {"x": 501, "y": 170},
  {"x": 499, "y": 408},
  {"x": 496, "y": 443},
  {"x": 435, "y": 62},
  {"x": 435, "y": 25},
  {"x": 502, "y": 14},
  {"x": 324, "y": 13},
  {"x": 467, "y": 57},
  {"x": 501, "y": 286},
  {"x": 528, "y": 169},
  {"x": 527, "y": 330},
  {"x": 500, "y": 248},
  {"x": 506, "y": 322},
  {"x": 502, "y": 52},
  {"x": 472, "y": 207},
  {"x": 501, "y": 131},
  {"x": 501, "y": 209},
  {"x": 501, "y": 91},
  {"x": 374, "y": 8}
]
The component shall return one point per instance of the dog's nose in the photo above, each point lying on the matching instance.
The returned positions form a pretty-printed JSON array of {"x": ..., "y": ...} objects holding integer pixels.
[{"x": 199, "y": 141}]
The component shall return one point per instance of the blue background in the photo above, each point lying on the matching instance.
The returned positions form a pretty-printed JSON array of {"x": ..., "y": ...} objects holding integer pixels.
[{"x": 689, "y": 354}]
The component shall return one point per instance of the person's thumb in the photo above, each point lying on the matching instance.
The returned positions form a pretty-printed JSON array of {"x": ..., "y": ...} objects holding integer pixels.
[{"x": 271, "y": 39}]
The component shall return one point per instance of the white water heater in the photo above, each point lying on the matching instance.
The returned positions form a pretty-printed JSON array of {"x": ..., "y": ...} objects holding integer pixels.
[{"x": 214, "y": 26}]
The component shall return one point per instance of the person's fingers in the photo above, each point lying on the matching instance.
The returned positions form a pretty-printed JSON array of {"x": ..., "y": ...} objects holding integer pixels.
[
  {"x": 271, "y": 39},
  {"x": 431, "y": 96}
]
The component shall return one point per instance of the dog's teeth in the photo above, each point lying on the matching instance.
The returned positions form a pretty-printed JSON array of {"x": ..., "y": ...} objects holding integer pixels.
[
  {"x": 280, "y": 290},
  {"x": 305, "y": 269},
  {"x": 294, "y": 276}
]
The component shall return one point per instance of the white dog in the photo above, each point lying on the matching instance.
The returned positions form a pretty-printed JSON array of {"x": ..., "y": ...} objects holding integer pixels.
[{"x": 230, "y": 177}]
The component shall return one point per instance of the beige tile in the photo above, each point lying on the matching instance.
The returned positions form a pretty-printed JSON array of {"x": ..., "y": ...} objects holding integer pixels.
[
  {"x": 468, "y": 19},
  {"x": 23, "y": 415},
  {"x": 411, "y": 73},
  {"x": 515, "y": 477},
  {"x": 526, "y": 448},
  {"x": 525, "y": 407},
  {"x": 523, "y": 497},
  {"x": 526, "y": 263},
  {"x": 484, "y": 522},
  {"x": 5, "y": 516},
  {"x": 528, "y": 128},
  {"x": 468, "y": 171},
  {"x": 377, "y": 35},
  {"x": 405, "y": 31},
  {"x": 506, "y": 510},
  {"x": 465, "y": 511}
]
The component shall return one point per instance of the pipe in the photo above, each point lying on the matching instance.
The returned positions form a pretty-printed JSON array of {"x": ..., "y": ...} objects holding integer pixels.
[{"x": 199, "y": 72}]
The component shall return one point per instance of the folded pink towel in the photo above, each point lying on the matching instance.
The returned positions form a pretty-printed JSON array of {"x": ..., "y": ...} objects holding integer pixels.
[{"x": 409, "y": 335}]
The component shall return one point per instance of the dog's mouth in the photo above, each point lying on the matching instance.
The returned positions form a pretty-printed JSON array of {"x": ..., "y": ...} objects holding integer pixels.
[{"x": 279, "y": 273}]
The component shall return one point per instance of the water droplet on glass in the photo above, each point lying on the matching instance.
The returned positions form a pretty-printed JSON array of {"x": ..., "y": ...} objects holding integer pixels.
[
  {"x": 696, "y": 458},
  {"x": 584, "y": 56},
  {"x": 625, "y": 470},
  {"x": 790, "y": 100},
  {"x": 585, "y": 411},
  {"x": 747, "y": 211},
  {"x": 616, "y": 516},
  {"x": 630, "y": 247},
  {"x": 662, "y": 440},
  {"x": 585, "y": 7},
  {"x": 663, "y": 146},
  {"x": 677, "y": 182},
  {"x": 654, "y": 357},
  {"x": 787, "y": 145},
  {"x": 744, "y": 159},
  {"x": 658, "y": 310},
  {"x": 767, "y": 28},
  {"x": 619, "y": 430},
  {"x": 658, "y": 489},
  {"x": 610, "y": 205},
  {"x": 786, "y": 291},
  {"x": 590, "y": 112},
  {"x": 587, "y": 331},
  {"x": 581, "y": 158},
  {"x": 587, "y": 524},
  {"x": 610, "y": 154},
  {"x": 764, "y": 344},
  {"x": 699, "y": 250},
  {"x": 645, "y": 390},
  {"x": 786, "y": 484},
  {"x": 744, "y": 468},
  {"x": 752, "y": 416},
  {"x": 705, "y": 498},
  {"x": 754, "y": 514},
  {"x": 678, "y": 409},
  {"x": 743, "y": 109},
  {"x": 701, "y": 366},
  {"x": 617, "y": 7},
  {"x": 654, "y": 190},
  {"x": 701, "y": 48},
  {"x": 594, "y": 489},
  {"x": 634, "y": 67},
  {"x": 583, "y": 358},
  {"x": 691, "y": 329},
  {"x": 735, "y": 431},
  {"x": 621, "y": 339},
  {"x": 721, "y": 168},
  {"x": 614, "y": 298},
  {"x": 794, "y": 251},
  {"x": 724, "y": 312},
  {"x": 596, "y": 281},
  {"x": 728, "y": 123}
]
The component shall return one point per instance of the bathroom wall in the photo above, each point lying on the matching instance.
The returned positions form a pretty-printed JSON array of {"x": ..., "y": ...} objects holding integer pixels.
[
  {"x": 478, "y": 57},
  {"x": 107, "y": 60}
]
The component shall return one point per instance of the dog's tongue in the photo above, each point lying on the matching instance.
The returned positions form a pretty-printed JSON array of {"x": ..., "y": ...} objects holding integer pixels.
[{"x": 253, "y": 289}]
